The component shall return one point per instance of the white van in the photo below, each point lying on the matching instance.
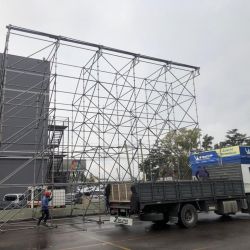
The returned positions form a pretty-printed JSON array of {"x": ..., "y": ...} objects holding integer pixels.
[{"x": 17, "y": 200}]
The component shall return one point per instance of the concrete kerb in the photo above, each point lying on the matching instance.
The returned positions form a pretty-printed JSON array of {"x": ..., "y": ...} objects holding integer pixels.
[{"x": 29, "y": 213}]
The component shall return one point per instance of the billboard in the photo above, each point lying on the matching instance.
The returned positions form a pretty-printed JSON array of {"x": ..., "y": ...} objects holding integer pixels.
[
  {"x": 228, "y": 151},
  {"x": 227, "y": 155},
  {"x": 74, "y": 165},
  {"x": 245, "y": 155}
]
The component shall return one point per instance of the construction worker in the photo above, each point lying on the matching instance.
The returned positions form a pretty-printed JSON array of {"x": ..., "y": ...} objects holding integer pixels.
[
  {"x": 45, "y": 207},
  {"x": 202, "y": 174},
  {"x": 107, "y": 194}
]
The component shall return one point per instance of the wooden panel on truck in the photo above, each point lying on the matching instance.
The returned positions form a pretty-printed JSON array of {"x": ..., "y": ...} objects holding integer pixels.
[
  {"x": 157, "y": 191},
  {"x": 226, "y": 188},
  {"x": 174, "y": 191},
  {"x": 120, "y": 192},
  {"x": 191, "y": 189}
]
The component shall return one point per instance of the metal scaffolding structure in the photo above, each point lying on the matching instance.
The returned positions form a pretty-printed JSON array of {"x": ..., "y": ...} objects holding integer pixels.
[{"x": 102, "y": 111}]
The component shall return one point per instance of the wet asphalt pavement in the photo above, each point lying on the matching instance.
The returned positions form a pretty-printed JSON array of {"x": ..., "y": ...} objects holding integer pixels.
[{"x": 211, "y": 232}]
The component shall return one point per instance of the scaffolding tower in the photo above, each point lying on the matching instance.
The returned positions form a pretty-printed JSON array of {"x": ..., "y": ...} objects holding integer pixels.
[{"x": 116, "y": 106}]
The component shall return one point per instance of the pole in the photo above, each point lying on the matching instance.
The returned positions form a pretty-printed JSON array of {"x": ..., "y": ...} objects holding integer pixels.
[{"x": 129, "y": 167}]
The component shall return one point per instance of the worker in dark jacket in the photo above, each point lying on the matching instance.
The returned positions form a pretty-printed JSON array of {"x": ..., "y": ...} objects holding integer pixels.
[
  {"x": 202, "y": 174},
  {"x": 107, "y": 194},
  {"x": 45, "y": 208}
]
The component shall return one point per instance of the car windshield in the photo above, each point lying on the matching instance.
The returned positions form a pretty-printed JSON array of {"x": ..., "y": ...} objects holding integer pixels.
[
  {"x": 10, "y": 197},
  {"x": 21, "y": 197}
]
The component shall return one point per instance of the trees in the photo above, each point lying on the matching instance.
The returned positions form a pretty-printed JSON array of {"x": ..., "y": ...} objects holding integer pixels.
[
  {"x": 207, "y": 142},
  {"x": 169, "y": 157},
  {"x": 233, "y": 138}
]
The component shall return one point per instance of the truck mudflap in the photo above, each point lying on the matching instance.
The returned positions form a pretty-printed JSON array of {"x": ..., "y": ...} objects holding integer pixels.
[{"x": 121, "y": 220}]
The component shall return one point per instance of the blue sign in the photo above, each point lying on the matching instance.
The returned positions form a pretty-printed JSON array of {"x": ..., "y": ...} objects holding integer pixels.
[
  {"x": 216, "y": 157},
  {"x": 245, "y": 155},
  {"x": 203, "y": 159}
]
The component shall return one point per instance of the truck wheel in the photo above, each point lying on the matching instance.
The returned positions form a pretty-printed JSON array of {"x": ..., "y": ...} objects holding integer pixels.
[{"x": 188, "y": 216}]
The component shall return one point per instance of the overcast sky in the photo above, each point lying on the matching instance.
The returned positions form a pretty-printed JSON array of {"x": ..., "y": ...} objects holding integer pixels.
[{"x": 214, "y": 35}]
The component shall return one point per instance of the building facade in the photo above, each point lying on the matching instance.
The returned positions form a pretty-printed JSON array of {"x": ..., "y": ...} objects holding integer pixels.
[{"x": 24, "y": 121}]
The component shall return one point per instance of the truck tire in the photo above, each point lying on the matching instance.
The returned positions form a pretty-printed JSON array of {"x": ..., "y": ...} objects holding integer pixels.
[{"x": 188, "y": 216}]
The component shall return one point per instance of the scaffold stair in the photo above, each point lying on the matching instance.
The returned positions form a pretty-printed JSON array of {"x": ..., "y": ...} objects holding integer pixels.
[{"x": 55, "y": 135}]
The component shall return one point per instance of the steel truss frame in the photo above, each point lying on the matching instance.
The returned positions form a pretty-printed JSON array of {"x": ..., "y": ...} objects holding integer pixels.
[{"x": 118, "y": 105}]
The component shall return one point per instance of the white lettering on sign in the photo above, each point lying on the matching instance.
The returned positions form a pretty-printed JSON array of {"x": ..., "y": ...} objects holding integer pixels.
[
  {"x": 203, "y": 157},
  {"x": 121, "y": 220}
]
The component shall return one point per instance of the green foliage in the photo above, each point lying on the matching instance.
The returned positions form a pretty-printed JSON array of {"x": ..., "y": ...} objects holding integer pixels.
[
  {"x": 207, "y": 142},
  {"x": 233, "y": 138},
  {"x": 169, "y": 157}
]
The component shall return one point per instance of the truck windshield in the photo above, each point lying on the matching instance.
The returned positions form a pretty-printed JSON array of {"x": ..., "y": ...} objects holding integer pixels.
[{"x": 10, "y": 197}]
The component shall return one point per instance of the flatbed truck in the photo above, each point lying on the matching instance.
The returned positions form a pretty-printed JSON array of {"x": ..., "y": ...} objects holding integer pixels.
[{"x": 176, "y": 201}]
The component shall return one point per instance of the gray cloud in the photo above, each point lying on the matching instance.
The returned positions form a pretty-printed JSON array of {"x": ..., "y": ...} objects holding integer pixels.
[{"x": 214, "y": 35}]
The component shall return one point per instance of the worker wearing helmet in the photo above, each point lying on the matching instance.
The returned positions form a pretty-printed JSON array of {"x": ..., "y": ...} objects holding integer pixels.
[{"x": 45, "y": 207}]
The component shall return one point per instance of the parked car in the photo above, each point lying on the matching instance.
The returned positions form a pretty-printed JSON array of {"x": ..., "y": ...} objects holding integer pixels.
[
  {"x": 73, "y": 198},
  {"x": 87, "y": 190},
  {"x": 95, "y": 195},
  {"x": 13, "y": 201}
]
